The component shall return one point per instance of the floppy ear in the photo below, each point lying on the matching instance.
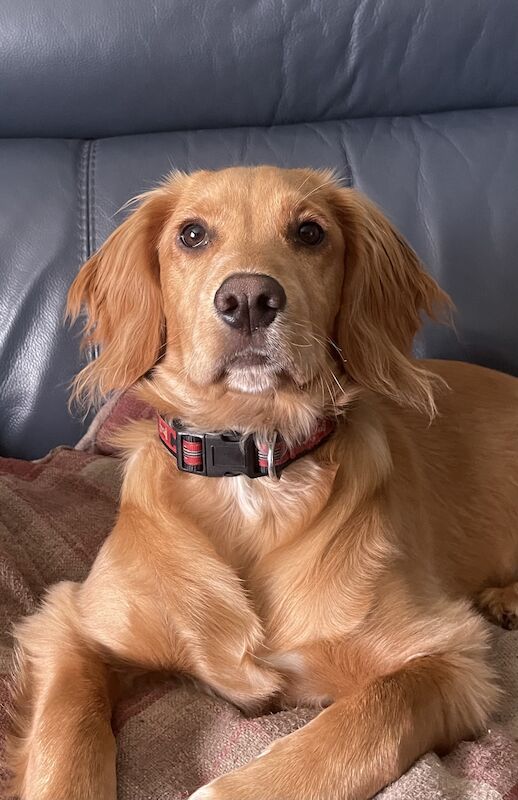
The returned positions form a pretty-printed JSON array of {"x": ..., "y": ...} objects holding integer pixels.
[
  {"x": 119, "y": 289},
  {"x": 385, "y": 293}
]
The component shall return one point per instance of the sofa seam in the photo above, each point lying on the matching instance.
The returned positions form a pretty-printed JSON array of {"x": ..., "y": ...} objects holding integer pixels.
[
  {"x": 82, "y": 186},
  {"x": 93, "y": 350},
  {"x": 92, "y": 233},
  {"x": 292, "y": 123},
  {"x": 86, "y": 195},
  {"x": 349, "y": 176}
]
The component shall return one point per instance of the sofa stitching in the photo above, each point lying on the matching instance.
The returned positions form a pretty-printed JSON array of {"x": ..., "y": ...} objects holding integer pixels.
[
  {"x": 93, "y": 350},
  {"x": 91, "y": 198},
  {"x": 82, "y": 190},
  {"x": 349, "y": 177},
  {"x": 83, "y": 215},
  {"x": 283, "y": 42}
]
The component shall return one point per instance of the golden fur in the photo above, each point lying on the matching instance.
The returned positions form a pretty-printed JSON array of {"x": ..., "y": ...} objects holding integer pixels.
[{"x": 351, "y": 582}]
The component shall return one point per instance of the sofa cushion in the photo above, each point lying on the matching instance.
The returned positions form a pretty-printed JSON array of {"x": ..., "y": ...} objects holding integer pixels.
[
  {"x": 448, "y": 181},
  {"x": 96, "y": 69}
]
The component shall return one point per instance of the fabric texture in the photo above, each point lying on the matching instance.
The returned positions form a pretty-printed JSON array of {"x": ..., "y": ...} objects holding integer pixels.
[
  {"x": 118, "y": 409},
  {"x": 54, "y": 516}
]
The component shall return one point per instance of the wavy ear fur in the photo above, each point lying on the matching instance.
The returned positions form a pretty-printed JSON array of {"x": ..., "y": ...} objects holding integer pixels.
[
  {"x": 119, "y": 288},
  {"x": 385, "y": 293}
]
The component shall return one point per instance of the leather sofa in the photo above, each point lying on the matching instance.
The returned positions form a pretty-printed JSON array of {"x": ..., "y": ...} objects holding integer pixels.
[{"x": 414, "y": 102}]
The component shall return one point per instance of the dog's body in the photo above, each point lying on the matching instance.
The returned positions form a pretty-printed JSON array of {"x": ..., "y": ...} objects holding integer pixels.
[{"x": 349, "y": 583}]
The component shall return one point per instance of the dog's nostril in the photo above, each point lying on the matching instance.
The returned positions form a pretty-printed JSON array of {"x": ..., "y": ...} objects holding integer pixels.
[
  {"x": 249, "y": 301},
  {"x": 227, "y": 303},
  {"x": 269, "y": 301}
]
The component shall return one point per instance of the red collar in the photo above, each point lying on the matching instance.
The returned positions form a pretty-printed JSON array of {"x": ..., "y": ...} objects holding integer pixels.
[{"x": 228, "y": 454}]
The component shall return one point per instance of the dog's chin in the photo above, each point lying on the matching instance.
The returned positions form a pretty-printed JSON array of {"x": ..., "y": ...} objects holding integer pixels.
[{"x": 252, "y": 379}]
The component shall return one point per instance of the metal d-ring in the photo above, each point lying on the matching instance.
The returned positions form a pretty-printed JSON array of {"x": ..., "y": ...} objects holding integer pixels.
[{"x": 272, "y": 470}]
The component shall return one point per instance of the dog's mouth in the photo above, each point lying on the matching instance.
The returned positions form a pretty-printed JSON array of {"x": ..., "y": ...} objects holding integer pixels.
[
  {"x": 247, "y": 359},
  {"x": 252, "y": 371}
]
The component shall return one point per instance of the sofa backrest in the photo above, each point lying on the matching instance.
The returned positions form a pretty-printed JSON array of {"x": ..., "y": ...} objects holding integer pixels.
[{"x": 415, "y": 103}]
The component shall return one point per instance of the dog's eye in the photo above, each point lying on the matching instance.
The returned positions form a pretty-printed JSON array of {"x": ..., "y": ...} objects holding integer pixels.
[
  {"x": 310, "y": 233},
  {"x": 194, "y": 235}
]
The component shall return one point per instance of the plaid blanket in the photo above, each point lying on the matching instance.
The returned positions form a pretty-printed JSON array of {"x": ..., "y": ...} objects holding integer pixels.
[{"x": 54, "y": 514}]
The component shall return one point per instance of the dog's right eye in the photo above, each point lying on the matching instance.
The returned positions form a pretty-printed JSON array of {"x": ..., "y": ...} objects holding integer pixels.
[
  {"x": 310, "y": 233},
  {"x": 194, "y": 235}
]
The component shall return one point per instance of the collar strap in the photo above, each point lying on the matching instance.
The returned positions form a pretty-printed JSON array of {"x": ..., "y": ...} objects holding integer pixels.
[{"x": 228, "y": 454}]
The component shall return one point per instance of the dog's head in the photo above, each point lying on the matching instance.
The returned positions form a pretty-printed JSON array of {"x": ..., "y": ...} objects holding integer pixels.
[{"x": 253, "y": 283}]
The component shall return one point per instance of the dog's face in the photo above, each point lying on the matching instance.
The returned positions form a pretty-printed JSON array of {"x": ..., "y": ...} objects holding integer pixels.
[
  {"x": 251, "y": 270},
  {"x": 256, "y": 280}
]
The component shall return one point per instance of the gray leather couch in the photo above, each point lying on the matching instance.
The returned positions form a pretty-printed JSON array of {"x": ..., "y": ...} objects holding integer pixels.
[{"x": 415, "y": 102}]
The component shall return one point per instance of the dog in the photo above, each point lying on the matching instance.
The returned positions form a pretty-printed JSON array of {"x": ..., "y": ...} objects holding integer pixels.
[{"x": 319, "y": 518}]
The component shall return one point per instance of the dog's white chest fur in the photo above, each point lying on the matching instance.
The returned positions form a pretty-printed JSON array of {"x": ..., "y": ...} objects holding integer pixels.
[{"x": 260, "y": 515}]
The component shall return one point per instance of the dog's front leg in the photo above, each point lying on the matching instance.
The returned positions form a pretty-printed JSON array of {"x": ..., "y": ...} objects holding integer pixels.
[
  {"x": 62, "y": 746},
  {"x": 159, "y": 598},
  {"x": 363, "y": 742}
]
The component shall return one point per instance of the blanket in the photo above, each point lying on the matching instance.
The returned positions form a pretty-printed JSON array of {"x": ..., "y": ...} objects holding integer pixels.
[{"x": 54, "y": 515}]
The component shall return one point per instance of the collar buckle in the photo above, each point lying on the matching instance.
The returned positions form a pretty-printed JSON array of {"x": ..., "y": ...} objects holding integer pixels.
[
  {"x": 227, "y": 455},
  {"x": 213, "y": 455}
]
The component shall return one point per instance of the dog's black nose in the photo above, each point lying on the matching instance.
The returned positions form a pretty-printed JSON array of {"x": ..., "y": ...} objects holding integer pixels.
[{"x": 248, "y": 301}]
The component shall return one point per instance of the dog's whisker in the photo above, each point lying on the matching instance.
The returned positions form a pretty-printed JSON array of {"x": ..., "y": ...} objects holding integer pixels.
[
  {"x": 322, "y": 340},
  {"x": 336, "y": 381},
  {"x": 337, "y": 349},
  {"x": 306, "y": 179},
  {"x": 318, "y": 188}
]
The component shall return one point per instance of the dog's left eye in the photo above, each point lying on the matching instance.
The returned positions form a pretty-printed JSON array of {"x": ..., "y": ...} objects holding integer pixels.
[
  {"x": 310, "y": 233},
  {"x": 194, "y": 235}
]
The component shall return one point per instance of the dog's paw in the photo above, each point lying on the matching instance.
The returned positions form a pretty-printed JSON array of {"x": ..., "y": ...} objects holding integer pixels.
[
  {"x": 500, "y": 605},
  {"x": 219, "y": 790},
  {"x": 204, "y": 793},
  {"x": 247, "y": 783},
  {"x": 212, "y": 792}
]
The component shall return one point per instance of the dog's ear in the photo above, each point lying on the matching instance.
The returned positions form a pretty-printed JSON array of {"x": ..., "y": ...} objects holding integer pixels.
[
  {"x": 119, "y": 290},
  {"x": 385, "y": 292}
]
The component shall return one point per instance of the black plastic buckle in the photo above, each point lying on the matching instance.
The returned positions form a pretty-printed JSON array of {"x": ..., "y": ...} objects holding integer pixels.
[
  {"x": 224, "y": 455},
  {"x": 230, "y": 455}
]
